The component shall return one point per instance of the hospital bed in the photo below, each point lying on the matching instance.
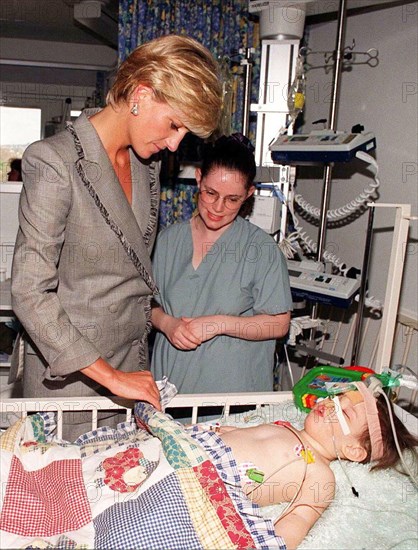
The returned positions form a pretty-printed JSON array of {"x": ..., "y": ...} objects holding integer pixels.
[{"x": 383, "y": 516}]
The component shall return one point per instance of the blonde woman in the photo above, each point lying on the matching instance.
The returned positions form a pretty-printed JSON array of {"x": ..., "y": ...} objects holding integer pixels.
[{"x": 82, "y": 278}]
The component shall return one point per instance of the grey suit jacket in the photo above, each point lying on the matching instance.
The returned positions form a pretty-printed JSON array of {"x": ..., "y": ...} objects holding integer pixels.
[{"x": 82, "y": 276}]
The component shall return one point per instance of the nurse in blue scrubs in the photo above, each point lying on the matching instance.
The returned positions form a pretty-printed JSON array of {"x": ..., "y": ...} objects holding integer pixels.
[{"x": 224, "y": 287}]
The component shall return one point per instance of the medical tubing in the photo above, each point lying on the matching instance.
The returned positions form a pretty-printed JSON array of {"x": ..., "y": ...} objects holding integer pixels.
[
  {"x": 292, "y": 501},
  {"x": 370, "y": 301},
  {"x": 404, "y": 367},
  {"x": 299, "y": 233},
  {"x": 289, "y": 366},
  {"x": 409, "y": 381},
  {"x": 353, "y": 489},
  {"x": 288, "y": 248},
  {"x": 312, "y": 246},
  {"x": 286, "y": 509},
  {"x": 351, "y": 207}
]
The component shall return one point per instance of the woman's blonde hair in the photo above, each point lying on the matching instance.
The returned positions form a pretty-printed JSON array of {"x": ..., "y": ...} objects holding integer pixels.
[{"x": 182, "y": 73}]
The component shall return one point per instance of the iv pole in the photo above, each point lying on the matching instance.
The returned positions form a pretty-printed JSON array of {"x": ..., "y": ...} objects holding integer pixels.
[
  {"x": 326, "y": 192},
  {"x": 339, "y": 58}
]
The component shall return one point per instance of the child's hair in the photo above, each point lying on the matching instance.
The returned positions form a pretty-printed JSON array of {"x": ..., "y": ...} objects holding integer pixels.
[
  {"x": 406, "y": 440},
  {"x": 235, "y": 153}
]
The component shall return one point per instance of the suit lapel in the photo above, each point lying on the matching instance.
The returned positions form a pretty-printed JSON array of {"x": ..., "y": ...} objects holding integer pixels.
[{"x": 98, "y": 175}]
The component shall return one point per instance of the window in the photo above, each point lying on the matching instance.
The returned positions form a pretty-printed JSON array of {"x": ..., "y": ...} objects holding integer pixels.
[{"x": 19, "y": 127}]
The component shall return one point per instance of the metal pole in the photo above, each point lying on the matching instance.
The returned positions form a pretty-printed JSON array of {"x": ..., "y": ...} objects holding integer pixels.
[
  {"x": 326, "y": 190},
  {"x": 363, "y": 288},
  {"x": 339, "y": 58},
  {"x": 326, "y": 194},
  {"x": 338, "y": 65},
  {"x": 248, "y": 65}
]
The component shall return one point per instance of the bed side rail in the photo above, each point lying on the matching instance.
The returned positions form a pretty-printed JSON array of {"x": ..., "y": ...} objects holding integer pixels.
[{"x": 20, "y": 408}]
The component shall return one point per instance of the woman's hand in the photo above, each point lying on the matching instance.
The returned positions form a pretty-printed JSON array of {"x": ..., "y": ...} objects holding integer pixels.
[
  {"x": 205, "y": 327},
  {"x": 176, "y": 330},
  {"x": 180, "y": 334},
  {"x": 139, "y": 385}
]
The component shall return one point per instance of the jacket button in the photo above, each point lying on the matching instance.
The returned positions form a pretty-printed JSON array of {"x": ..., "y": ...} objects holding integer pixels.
[
  {"x": 135, "y": 342},
  {"x": 110, "y": 354},
  {"x": 113, "y": 308}
]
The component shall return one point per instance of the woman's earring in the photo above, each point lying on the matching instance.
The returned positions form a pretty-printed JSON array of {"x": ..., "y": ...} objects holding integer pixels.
[{"x": 134, "y": 109}]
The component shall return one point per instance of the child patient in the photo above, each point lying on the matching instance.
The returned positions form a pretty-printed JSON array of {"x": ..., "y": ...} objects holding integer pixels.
[{"x": 278, "y": 463}]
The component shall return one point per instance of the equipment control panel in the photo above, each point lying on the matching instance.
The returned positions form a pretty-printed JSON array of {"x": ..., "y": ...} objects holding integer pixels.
[
  {"x": 308, "y": 283},
  {"x": 320, "y": 146}
]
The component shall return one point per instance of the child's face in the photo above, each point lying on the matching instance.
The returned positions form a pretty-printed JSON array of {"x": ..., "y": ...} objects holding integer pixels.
[{"x": 322, "y": 422}]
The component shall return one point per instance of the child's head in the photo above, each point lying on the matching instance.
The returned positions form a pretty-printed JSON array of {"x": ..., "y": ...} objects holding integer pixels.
[
  {"x": 358, "y": 425},
  {"x": 338, "y": 425}
]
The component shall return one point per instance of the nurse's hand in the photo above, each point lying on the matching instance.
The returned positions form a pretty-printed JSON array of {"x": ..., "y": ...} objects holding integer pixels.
[
  {"x": 176, "y": 330},
  {"x": 205, "y": 327},
  {"x": 139, "y": 386},
  {"x": 180, "y": 335}
]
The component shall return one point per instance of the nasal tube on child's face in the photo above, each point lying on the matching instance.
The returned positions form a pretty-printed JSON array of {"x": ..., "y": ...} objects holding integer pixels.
[{"x": 340, "y": 416}]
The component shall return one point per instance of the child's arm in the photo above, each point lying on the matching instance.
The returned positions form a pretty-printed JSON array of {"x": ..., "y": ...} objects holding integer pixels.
[
  {"x": 295, "y": 526},
  {"x": 314, "y": 498}
]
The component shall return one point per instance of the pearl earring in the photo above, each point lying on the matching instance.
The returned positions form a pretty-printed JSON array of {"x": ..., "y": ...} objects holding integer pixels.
[{"x": 134, "y": 109}]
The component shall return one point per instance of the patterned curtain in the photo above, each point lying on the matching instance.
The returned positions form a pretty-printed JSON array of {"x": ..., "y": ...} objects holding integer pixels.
[{"x": 224, "y": 27}]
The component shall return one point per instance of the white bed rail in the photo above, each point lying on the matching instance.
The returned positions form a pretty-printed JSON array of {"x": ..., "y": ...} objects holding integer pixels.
[{"x": 20, "y": 408}]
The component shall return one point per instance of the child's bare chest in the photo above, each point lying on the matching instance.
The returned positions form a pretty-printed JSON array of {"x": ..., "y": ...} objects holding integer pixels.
[{"x": 273, "y": 464}]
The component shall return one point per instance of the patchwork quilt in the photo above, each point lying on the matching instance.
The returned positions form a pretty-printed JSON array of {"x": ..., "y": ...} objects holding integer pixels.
[{"x": 150, "y": 484}]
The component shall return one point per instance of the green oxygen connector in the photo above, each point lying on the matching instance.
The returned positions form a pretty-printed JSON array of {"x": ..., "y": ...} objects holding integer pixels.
[{"x": 387, "y": 380}]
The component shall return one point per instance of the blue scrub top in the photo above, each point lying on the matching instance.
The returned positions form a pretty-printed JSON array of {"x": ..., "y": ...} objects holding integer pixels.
[{"x": 243, "y": 273}]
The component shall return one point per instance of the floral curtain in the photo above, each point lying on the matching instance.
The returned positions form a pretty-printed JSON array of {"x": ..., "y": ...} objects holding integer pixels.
[{"x": 224, "y": 27}]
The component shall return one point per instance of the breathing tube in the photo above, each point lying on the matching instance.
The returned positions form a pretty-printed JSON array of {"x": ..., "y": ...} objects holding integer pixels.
[{"x": 330, "y": 382}]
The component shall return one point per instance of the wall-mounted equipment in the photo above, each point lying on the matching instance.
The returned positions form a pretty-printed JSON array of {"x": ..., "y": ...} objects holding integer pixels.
[
  {"x": 321, "y": 146},
  {"x": 308, "y": 281}
]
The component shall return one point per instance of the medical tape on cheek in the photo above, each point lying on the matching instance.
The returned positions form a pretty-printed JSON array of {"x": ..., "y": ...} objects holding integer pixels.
[{"x": 340, "y": 416}]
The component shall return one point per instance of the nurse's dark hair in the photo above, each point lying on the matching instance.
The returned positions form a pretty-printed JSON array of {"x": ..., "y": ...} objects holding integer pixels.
[
  {"x": 406, "y": 440},
  {"x": 234, "y": 153}
]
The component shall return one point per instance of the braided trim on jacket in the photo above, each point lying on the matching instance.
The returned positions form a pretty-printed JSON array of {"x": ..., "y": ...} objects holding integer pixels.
[
  {"x": 105, "y": 214},
  {"x": 154, "y": 204},
  {"x": 143, "y": 348}
]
